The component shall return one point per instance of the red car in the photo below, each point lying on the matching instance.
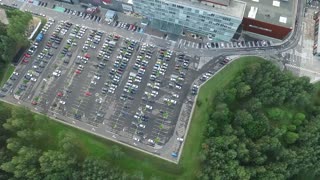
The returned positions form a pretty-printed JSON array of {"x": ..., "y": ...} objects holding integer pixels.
[
  {"x": 60, "y": 94},
  {"x": 27, "y": 55},
  {"x": 24, "y": 60},
  {"x": 130, "y": 27},
  {"x": 78, "y": 71},
  {"x": 34, "y": 102},
  {"x": 116, "y": 37},
  {"x": 88, "y": 93}
]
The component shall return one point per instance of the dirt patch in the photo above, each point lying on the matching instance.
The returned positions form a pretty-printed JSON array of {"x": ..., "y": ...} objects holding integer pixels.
[
  {"x": 32, "y": 25},
  {"x": 3, "y": 17}
]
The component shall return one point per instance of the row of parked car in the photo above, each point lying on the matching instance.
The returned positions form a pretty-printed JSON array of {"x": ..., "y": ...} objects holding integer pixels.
[
  {"x": 128, "y": 26},
  {"x": 43, "y": 4},
  {"x": 145, "y": 54},
  {"x": 93, "y": 39},
  {"x": 38, "y": 65},
  {"x": 107, "y": 48},
  {"x": 120, "y": 65},
  {"x": 83, "y": 15}
]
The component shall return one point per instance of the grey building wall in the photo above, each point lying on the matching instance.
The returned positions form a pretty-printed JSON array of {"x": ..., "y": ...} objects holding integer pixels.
[
  {"x": 221, "y": 27},
  {"x": 115, "y": 5}
]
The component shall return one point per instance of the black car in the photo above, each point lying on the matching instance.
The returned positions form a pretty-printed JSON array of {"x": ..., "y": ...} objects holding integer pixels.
[
  {"x": 77, "y": 116},
  {"x": 23, "y": 87},
  {"x": 27, "y": 77},
  {"x": 66, "y": 61},
  {"x": 140, "y": 133},
  {"x": 39, "y": 70}
]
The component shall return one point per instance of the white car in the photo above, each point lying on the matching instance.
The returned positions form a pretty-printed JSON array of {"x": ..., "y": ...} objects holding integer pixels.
[
  {"x": 62, "y": 102},
  {"x": 173, "y": 101},
  {"x": 58, "y": 71},
  {"x": 150, "y": 141},
  {"x": 136, "y": 139},
  {"x": 180, "y": 139},
  {"x": 149, "y": 107},
  {"x": 137, "y": 80},
  {"x": 142, "y": 125},
  {"x": 135, "y": 86},
  {"x": 178, "y": 87},
  {"x": 93, "y": 82},
  {"x": 29, "y": 74},
  {"x": 33, "y": 79},
  {"x": 56, "y": 74},
  {"x": 96, "y": 77},
  {"x": 15, "y": 73},
  {"x": 175, "y": 95}
]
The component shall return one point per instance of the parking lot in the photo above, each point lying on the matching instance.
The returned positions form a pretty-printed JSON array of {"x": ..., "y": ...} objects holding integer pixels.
[
  {"x": 132, "y": 89},
  {"x": 220, "y": 45}
]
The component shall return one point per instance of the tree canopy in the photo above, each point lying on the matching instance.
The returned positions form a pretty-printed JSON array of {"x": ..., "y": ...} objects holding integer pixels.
[
  {"x": 13, "y": 35},
  {"x": 265, "y": 125}
]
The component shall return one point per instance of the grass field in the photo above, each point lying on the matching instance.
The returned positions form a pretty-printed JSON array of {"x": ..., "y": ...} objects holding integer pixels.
[
  {"x": 5, "y": 73},
  {"x": 132, "y": 160}
]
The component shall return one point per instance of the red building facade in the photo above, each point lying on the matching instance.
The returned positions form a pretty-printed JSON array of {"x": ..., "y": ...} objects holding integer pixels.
[{"x": 266, "y": 29}]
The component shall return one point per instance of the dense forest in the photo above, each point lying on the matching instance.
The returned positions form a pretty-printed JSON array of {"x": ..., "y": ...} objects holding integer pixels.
[
  {"x": 265, "y": 125},
  {"x": 12, "y": 36}
]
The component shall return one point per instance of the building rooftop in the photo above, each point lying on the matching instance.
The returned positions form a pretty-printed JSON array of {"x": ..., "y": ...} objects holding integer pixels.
[
  {"x": 221, "y": 2},
  {"x": 235, "y": 9},
  {"x": 278, "y": 12}
]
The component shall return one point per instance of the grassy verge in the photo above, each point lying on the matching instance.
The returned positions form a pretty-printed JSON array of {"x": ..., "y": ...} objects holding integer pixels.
[
  {"x": 43, "y": 22},
  {"x": 5, "y": 73},
  {"x": 132, "y": 160}
]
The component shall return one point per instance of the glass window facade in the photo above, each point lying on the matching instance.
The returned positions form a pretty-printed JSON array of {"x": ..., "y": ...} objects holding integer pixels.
[{"x": 219, "y": 26}]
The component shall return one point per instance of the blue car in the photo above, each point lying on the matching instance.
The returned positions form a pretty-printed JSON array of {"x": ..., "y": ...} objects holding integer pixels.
[{"x": 174, "y": 154}]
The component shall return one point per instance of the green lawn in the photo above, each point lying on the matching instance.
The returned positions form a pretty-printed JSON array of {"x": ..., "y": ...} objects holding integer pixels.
[
  {"x": 131, "y": 161},
  {"x": 151, "y": 166},
  {"x": 5, "y": 73}
]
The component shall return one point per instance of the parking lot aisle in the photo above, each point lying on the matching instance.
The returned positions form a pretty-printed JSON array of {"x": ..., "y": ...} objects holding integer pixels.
[
  {"x": 23, "y": 68},
  {"x": 58, "y": 82},
  {"x": 74, "y": 84},
  {"x": 64, "y": 68}
]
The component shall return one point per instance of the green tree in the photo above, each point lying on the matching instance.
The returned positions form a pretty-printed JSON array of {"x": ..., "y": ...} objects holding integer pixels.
[
  {"x": 291, "y": 137},
  {"x": 25, "y": 164},
  {"x": 58, "y": 163},
  {"x": 93, "y": 168},
  {"x": 243, "y": 90}
]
